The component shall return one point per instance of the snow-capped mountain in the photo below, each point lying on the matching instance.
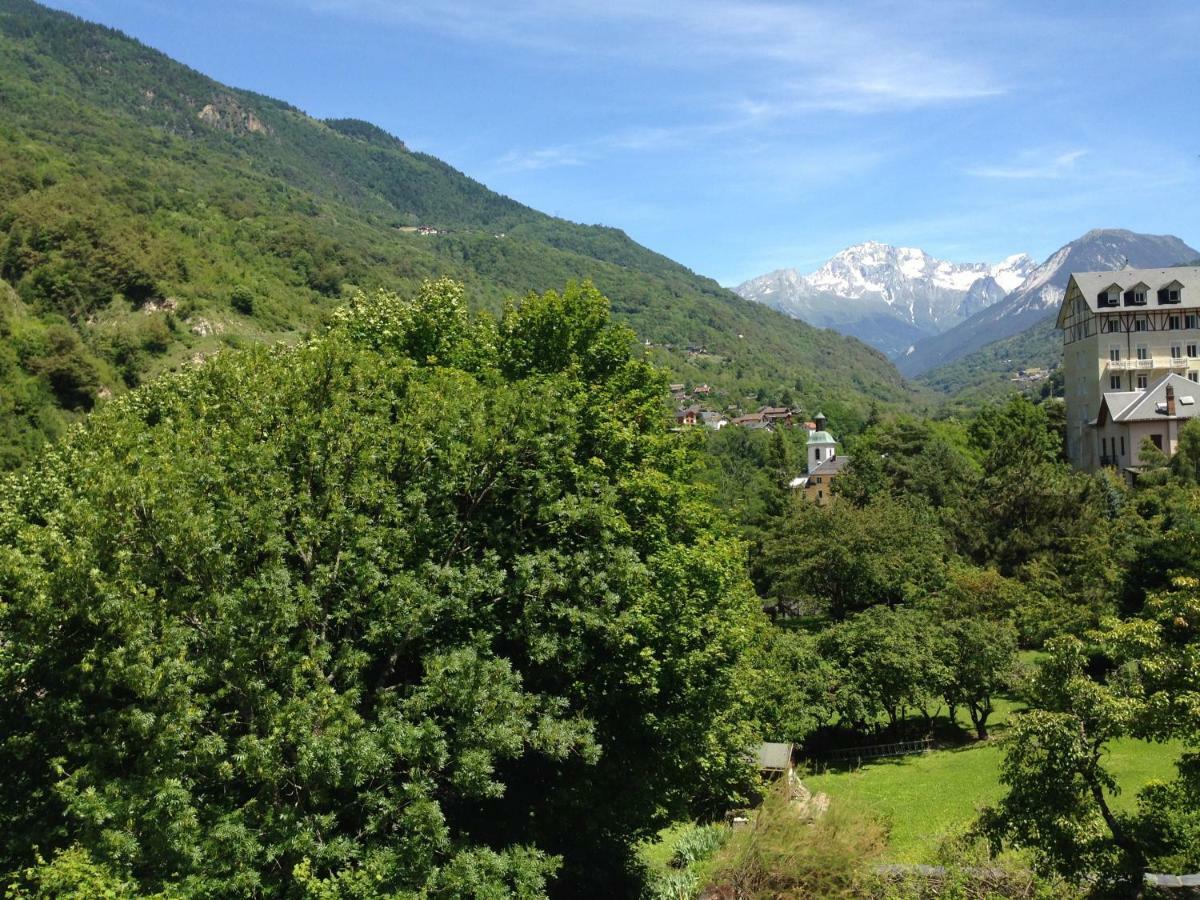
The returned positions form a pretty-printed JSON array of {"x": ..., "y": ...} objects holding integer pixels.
[
  {"x": 1039, "y": 295},
  {"x": 888, "y": 296}
]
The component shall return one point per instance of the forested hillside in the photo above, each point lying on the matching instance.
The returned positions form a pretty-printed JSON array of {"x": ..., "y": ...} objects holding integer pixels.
[
  {"x": 150, "y": 215},
  {"x": 988, "y": 373}
]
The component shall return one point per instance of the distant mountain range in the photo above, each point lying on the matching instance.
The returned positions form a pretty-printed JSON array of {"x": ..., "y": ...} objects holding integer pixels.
[
  {"x": 926, "y": 313},
  {"x": 889, "y": 297},
  {"x": 1038, "y": 296}
]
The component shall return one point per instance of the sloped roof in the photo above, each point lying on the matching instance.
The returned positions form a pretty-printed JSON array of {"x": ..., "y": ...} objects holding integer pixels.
[
  {"x": 821, "y": 437},
  {"x": 1144, "y": 406},
  {"x": 1187, "y": 278},
  {"x": 830, "y": 466}
]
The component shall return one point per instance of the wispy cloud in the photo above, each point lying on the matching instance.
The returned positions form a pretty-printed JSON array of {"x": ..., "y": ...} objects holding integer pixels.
[
  {"x": 1033, "y": 165},
  {"x": 541, "y": 158},
  {"x": 820, "y": 56}
]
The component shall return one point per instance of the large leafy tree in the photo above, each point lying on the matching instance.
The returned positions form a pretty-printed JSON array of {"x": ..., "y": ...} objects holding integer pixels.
[
  {"x": 888, "y": 662},
  {"x": 419, "y": 605},
  {"x": 842, "y": 558}
]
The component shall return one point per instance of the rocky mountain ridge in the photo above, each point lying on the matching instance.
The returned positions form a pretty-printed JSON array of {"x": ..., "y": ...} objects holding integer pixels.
[{"x": 1038, "y": 296}]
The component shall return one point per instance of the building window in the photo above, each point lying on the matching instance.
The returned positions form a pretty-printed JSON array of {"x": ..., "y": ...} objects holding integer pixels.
[
  {"x": 1191, "y": 350},
  {"x": 1142, "y": 381},
  {"x": 1173, "y": 295},
  {"x": 1143, "y": 352},
  {"x": 1122, "y": 445},
  {"x": 1193, "y": 375},
  {"x": 1111, "y": 326},
  {"x": 1189, "y": 321},
  {"x": 1176, "y": 351},
  {"x": 1114, "y": 353},
  {"x": 1157, "y": 439},
  {"x": 1114, "y": 382},
  {"x": 1173, "y": 323},
  {"x": 1140, "y": 325}
]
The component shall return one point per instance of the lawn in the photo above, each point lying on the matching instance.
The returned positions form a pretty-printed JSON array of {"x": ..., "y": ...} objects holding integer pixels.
[
  {"x": 936, "y": 795},
  {"x": 930, "y": 797}
]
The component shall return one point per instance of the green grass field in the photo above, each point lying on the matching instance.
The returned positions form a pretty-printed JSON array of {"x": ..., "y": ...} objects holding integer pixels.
[{"x": 935, "y": 796}]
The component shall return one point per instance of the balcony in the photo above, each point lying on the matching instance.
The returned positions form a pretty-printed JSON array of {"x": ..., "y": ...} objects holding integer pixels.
[{"x": 1162, "y": 362}]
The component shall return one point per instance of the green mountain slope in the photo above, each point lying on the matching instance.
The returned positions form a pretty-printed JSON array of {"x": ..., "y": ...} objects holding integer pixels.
[
  {"x": 992, "y": 371},
  {"x": 150, "y": 215}
]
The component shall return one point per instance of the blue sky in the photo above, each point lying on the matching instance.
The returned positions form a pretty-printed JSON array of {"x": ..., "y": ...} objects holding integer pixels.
[{"x": 743, "y": 137}]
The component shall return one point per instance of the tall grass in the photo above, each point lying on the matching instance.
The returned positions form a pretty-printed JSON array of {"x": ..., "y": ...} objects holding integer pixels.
[{"x": 786, "y": 853}]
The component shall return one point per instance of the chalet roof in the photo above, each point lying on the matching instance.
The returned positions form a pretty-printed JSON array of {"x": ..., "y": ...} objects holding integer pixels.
[
  {"x": 1150, "y": 405},
  {"x": 1185, "y": 278},
  {"x": 751, "y": 420}
]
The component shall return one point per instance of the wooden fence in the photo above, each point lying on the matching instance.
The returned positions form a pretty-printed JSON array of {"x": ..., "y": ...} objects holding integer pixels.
[{"x": 878, "y": 751}]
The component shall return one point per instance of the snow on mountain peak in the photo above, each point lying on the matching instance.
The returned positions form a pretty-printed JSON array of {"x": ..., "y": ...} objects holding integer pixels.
[
  {"x": 896, "y": 275},
  {"x": 916, "y": 292}
]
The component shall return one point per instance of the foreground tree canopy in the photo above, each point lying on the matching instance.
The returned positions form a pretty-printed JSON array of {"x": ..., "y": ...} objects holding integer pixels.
[{"x": 421, "y": 605}]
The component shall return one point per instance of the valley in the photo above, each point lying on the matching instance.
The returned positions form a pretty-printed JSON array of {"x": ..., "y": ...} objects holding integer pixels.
[{"x": 366, "y": 532}]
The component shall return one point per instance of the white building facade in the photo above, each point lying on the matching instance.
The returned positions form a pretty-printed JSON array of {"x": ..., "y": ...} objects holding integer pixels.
[{"x": 1130, "y": 337}]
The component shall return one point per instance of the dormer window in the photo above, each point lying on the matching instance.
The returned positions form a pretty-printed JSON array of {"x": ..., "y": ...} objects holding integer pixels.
[
  {"x": 1110, "y": 296},
  {"x": 1136, "y": 295},
  {"x": 1170, "y": 293}
]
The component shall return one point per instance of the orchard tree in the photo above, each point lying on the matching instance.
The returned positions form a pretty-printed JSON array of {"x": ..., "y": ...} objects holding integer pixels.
[
  {"x": 1057, "y": 802},
  {"x": 978, "y": 664},
  {"x": 889, "y": 661},
  {"x": 422, "y": 606},
  {"x": 1058, "y": 789}
]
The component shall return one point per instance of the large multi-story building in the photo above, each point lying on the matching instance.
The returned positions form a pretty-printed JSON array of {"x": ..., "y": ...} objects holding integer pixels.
[{"x": 1131, "y": 362}]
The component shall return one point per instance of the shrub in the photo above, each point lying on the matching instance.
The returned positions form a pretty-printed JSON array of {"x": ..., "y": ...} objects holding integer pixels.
[
  {"x": 241, "y": 298},
  {"x": 785, "y": 852}
]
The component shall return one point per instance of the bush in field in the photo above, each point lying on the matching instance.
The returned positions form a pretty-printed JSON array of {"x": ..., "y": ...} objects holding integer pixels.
[{"x": 784, "y": 852}]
